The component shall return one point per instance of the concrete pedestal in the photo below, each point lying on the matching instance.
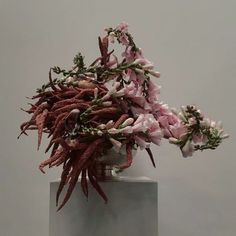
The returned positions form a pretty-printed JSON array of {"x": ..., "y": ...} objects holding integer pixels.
[{"x": 131, "y": 210}]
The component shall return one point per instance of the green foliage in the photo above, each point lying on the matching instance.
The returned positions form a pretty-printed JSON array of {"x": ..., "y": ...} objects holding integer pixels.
[{"x": 79, "y": 61}]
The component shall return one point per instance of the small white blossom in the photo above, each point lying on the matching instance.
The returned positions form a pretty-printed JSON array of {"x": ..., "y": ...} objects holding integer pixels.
[
  {"x": 206, "y": 122},
  {"x": 192, "y": 121},
  {"x": 99, "y": 133},
  {"x": 107, "y": 103},
  {"x": 69, "y": 79},
  {"x": 213, "y": 124},
  {"x": 101, "y": 126},
  {"x": 112, "y": 37}
]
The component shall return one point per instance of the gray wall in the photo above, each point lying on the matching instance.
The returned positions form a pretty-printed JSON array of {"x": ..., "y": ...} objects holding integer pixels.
[{"x": 193, "y": 43}]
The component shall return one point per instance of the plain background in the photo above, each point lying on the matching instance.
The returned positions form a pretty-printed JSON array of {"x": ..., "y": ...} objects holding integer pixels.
[{"x": 192, "y": 43}]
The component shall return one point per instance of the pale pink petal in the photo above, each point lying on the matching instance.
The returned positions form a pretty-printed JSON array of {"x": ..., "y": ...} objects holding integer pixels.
[
  {"x": 117, "y": 145},
  {"x": 187, "y": 149},
  {"x": 141, "y": 142}
]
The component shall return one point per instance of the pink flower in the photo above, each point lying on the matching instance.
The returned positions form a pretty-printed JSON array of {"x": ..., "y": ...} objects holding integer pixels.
[
  {"x": 144, "y": 62},
  {"x": 113, "y": 91},
  {"x": 188, "y": 149},
  {"x": 199, "y": 138},
  {"x": 137, "y": 111},
  {"x": 109, "y": 124},
  {"x": 138, "y": 125},
  {"x": 129, "y": 55},
  {"x": 134, "y": 91},
  {"x": 169, "y": 122},
  {"x": 127, "y": 130},
  {"x": 155, "y": 133},
  {"x": 112, "y": 63},
  {"x": 141, "y": 142},
  {"x": 163, "y": 120},
  {"x": 123, "y": 27},
  {"x": 123, "y": 38},
  {"x": 153, "y": 92},
  {"x": 146, "y": 123},
  {"x": 155, "y": 73},
  {"x": 179, "y": 131},
  {"x": 116, "y": 144},
  {"x": 136, "y": 78}
]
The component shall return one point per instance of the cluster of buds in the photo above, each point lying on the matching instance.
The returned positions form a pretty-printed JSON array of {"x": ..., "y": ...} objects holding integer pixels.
[
  {"x": 118, "y": 134},
  {"x": 199, "y": 132},
  {"x": 144, "y": 66}
]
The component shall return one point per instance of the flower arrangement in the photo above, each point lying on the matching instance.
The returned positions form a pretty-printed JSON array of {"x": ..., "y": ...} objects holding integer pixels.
[{"x": 111, "y": 104}]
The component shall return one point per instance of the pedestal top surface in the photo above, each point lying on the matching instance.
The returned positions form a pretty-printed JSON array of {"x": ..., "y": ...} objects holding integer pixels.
[{"x": 141, "y": 179}]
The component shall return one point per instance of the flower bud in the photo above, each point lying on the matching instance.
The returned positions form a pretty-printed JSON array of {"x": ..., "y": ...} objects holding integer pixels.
[
  {"x": 75, "y": 111},
  {"x": 69, "y": 79},
  {"x": 213, "y": 124},
  {"x": 127, "y": 130},
  {"x": 113, "y": 131},
  {"x": 119, "y": 93},
  {"x": 192, "y": 121},
  {"x": 154, "y": 73},
  {"x": 109, "y": 124},
  {"x": 99, "y": 133},
  {"x": 225, "y": 136},
  {"x": 127, "y": 122},
  {"x": 219, "y": 124},
  {"x": 188, "y": 149},
  {"x": 112, "y": 37},
  {"x": 205, "y": 123},
  {"x": 101, "y": 126},
  {"x": 139, "y": 71},
  {"x": 86, "y": 84},
  {"x": 148, "y": 66},
  {"x": 173, "y": 140},
  {"x": 106, "y": 97},
  {"x": 107, "y": 103},
  {"x": 137, "y": 61},
  {"x": 116, "y": 85},
  {"x": 75, "y": 83},
  {"x": 95, "y": 93}
]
